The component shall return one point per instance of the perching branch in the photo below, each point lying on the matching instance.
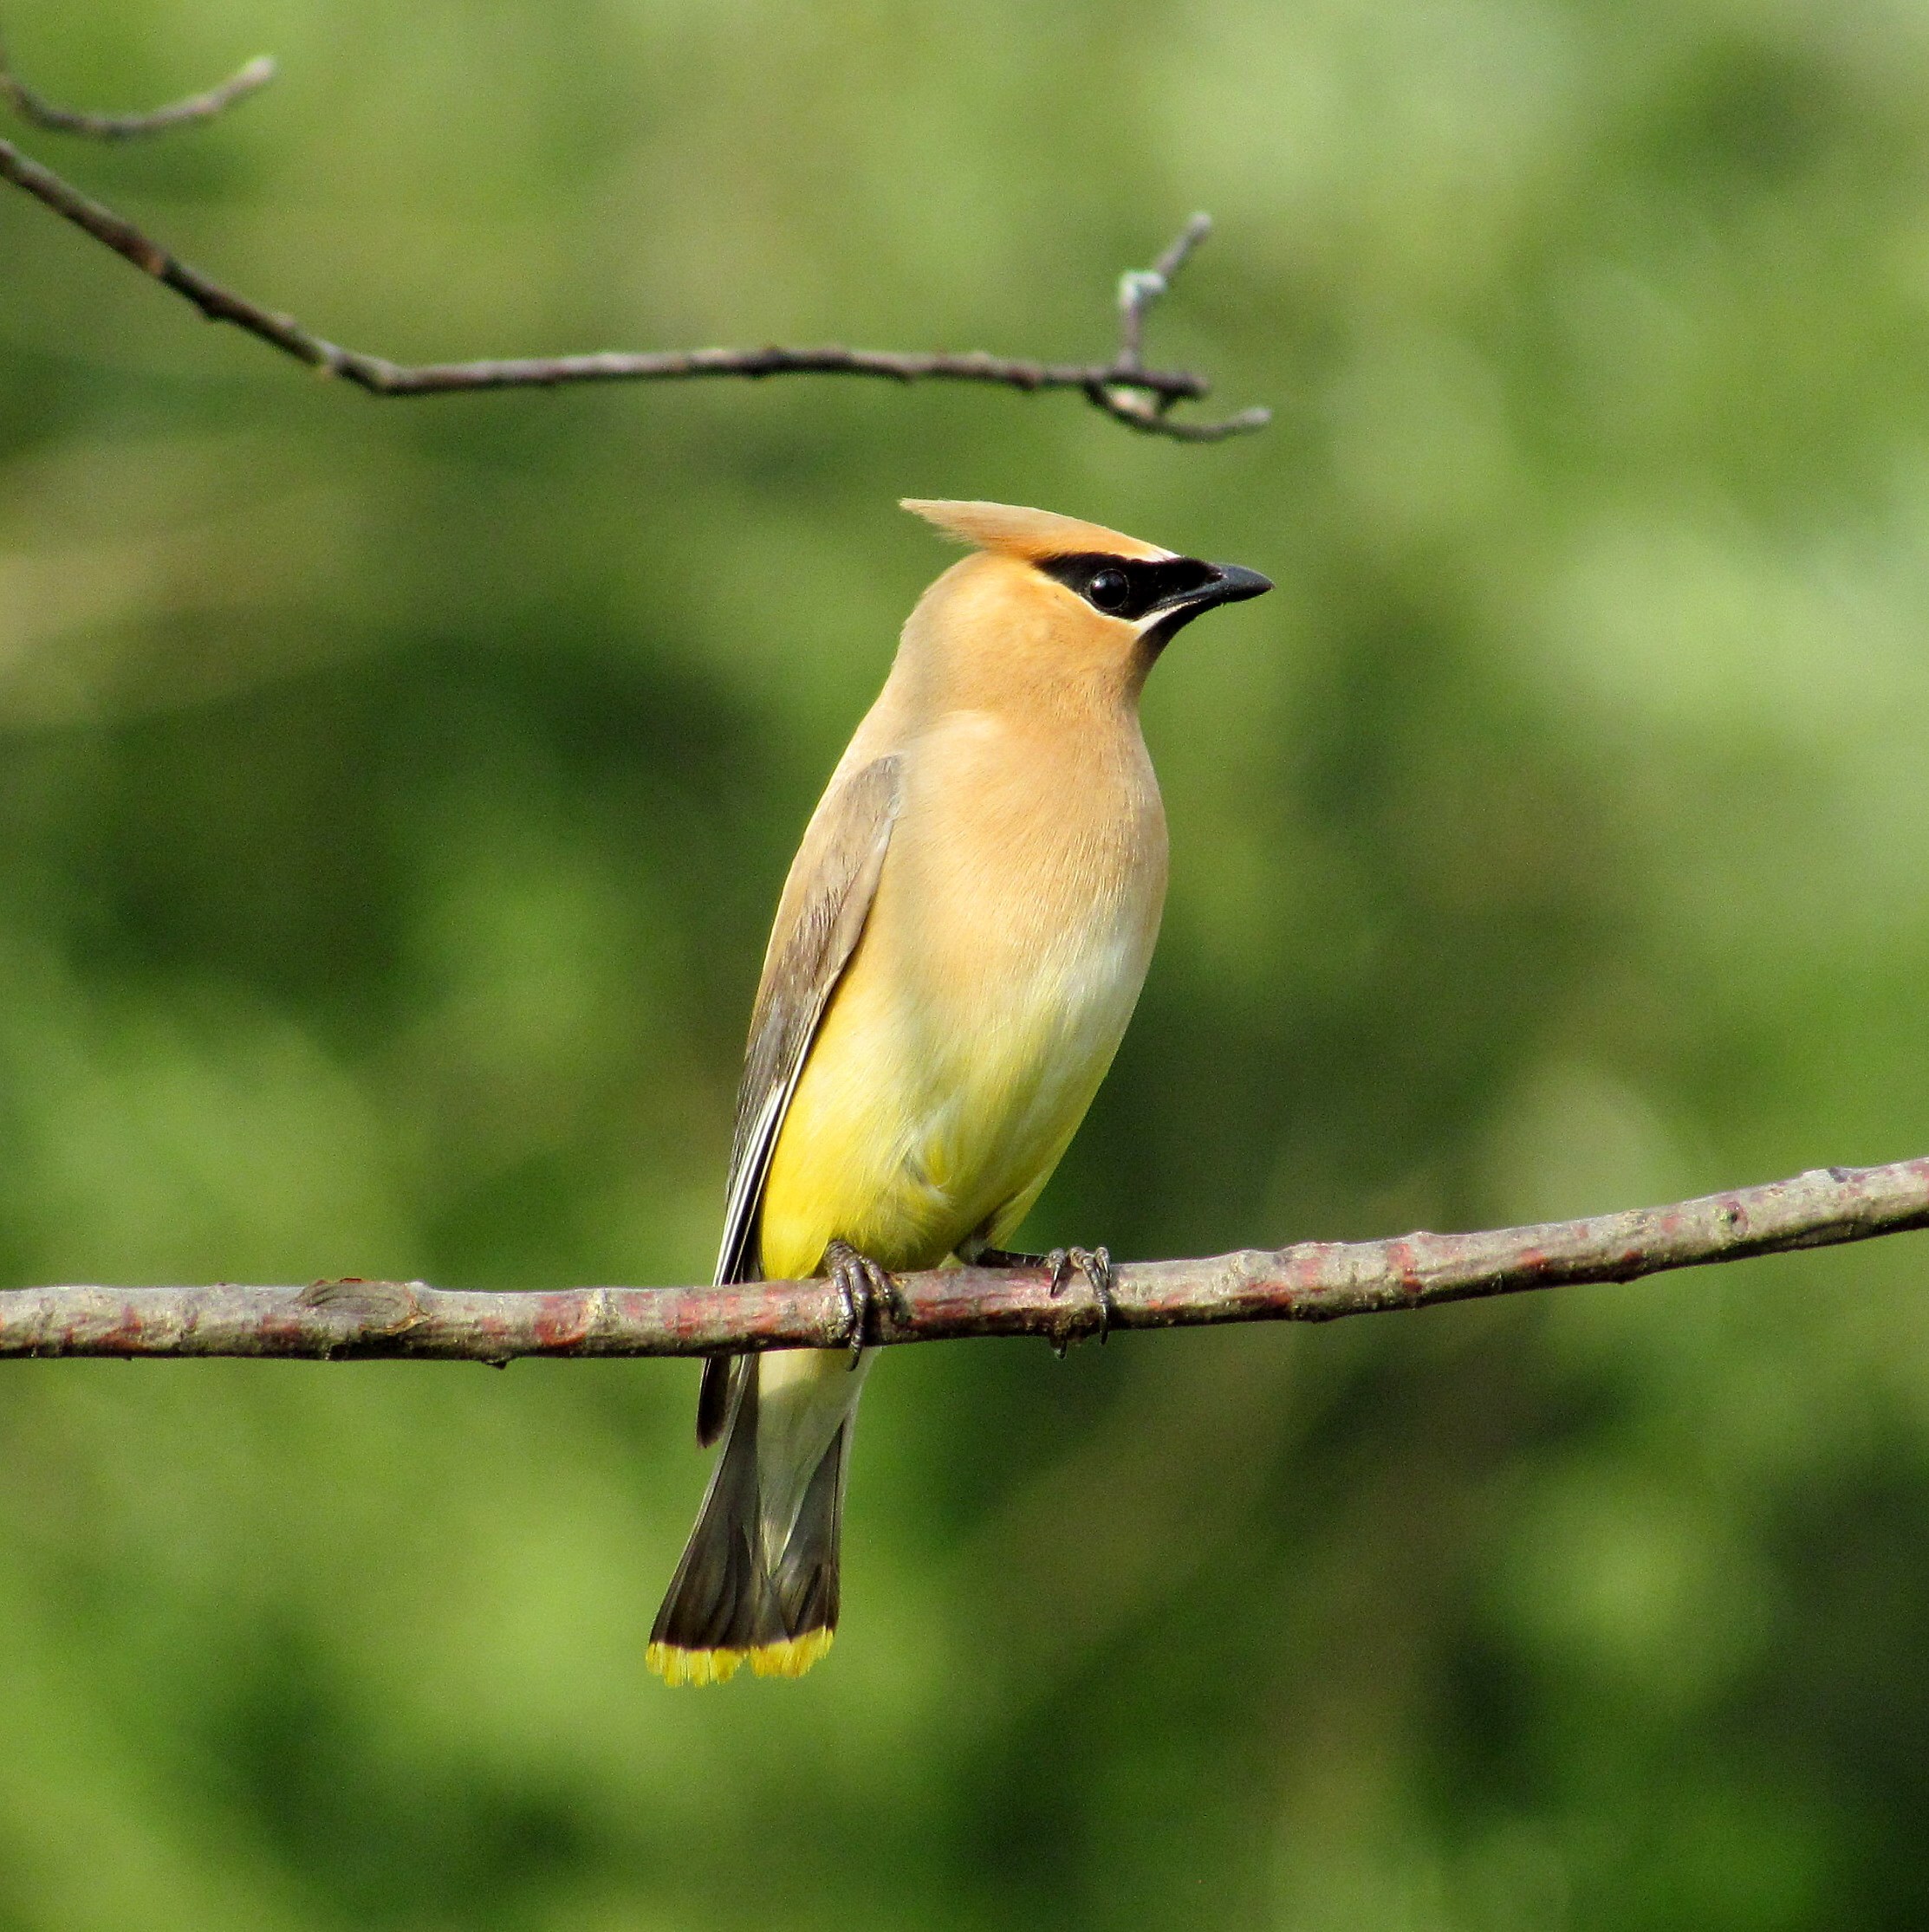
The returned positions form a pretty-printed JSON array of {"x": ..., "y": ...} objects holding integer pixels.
[
  {"x": 1123, "y": 388},
  {"x": 1313, "y": 1281}
]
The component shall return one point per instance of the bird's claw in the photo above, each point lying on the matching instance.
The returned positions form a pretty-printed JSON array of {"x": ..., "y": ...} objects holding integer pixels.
[
  {"x": 861, "y": 1285},
  {"x": 1095, "y": 1265}
]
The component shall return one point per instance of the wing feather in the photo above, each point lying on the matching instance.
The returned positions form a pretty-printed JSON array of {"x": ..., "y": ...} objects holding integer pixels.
[{"x": 820, "y": 920}]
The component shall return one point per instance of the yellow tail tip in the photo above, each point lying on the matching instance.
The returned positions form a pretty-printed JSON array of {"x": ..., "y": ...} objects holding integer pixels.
[
  {"x": 790, "y": 1658},
  {"x": 677, "y": 1666}
]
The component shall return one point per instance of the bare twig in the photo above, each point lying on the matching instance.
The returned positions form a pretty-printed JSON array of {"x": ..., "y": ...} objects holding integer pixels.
[
  {"x": 1314, "y": 1281},
  {"x": 1123, "y": 388},
  {"x": 1139, "y": 289},
  {"x": 42, "y": 113},
  {"x": 1145, "y": 409}
]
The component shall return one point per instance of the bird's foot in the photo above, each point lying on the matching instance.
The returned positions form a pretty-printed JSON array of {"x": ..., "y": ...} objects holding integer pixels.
[
  {"x": 863, "y": 1285},
  {"x": 1093, "y": 1263}
]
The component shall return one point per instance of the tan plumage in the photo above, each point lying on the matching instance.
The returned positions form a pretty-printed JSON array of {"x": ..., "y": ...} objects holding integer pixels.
[{"x": 958, "y": 948}]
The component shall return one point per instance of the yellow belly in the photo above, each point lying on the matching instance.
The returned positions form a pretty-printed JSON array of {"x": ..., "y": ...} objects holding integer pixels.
[{"x": 935, "y": 1105}]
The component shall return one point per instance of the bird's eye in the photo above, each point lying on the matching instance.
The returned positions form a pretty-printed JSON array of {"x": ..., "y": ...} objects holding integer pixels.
[{"x": 1109, "y": 590}]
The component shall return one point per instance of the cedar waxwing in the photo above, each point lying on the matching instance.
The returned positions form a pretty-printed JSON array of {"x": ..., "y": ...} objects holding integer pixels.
[{"x": 959, "y": 945}]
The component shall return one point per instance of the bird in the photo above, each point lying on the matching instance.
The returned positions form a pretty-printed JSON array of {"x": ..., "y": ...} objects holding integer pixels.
[{"x": 958, "y": 948}]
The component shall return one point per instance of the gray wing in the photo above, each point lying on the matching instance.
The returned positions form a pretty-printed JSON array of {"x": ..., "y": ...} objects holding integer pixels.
[{"x": 820, "y": 919}]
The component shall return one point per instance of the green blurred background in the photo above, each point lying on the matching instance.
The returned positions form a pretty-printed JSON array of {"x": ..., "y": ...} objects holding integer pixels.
[{"x": 392, "y": 797}]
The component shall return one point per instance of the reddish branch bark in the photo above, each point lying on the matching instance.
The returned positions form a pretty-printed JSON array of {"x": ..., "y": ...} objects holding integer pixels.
[
  {"x": 1314, "y": 1281},
  {"x": 1123, "y": 388}
]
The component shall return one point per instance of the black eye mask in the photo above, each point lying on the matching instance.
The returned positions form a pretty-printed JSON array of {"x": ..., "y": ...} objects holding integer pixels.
[{"x": 1131, "y": 588}]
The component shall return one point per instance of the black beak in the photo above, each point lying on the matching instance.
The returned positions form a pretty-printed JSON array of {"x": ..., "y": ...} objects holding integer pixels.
[
  {"x": 1231, "y": 584},
  {"x": 1221, "y": 583}
]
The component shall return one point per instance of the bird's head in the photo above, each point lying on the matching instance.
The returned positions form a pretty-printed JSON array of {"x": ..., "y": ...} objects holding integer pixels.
[{"x": 1048, "y": 599}]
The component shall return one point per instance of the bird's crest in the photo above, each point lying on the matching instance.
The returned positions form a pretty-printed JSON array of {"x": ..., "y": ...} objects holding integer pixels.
[{"x": 1027, "y": 534}]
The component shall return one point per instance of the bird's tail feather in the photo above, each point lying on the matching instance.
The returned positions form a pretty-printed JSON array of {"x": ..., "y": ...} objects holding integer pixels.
[{"x": 756, "y": 1583}]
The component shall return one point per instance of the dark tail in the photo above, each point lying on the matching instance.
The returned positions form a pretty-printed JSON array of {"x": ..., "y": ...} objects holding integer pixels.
[{"x": 737, "y": 1594}]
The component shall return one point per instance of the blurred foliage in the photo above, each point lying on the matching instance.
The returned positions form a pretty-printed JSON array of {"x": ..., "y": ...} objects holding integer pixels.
[{"x": 392, "y": 797}]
